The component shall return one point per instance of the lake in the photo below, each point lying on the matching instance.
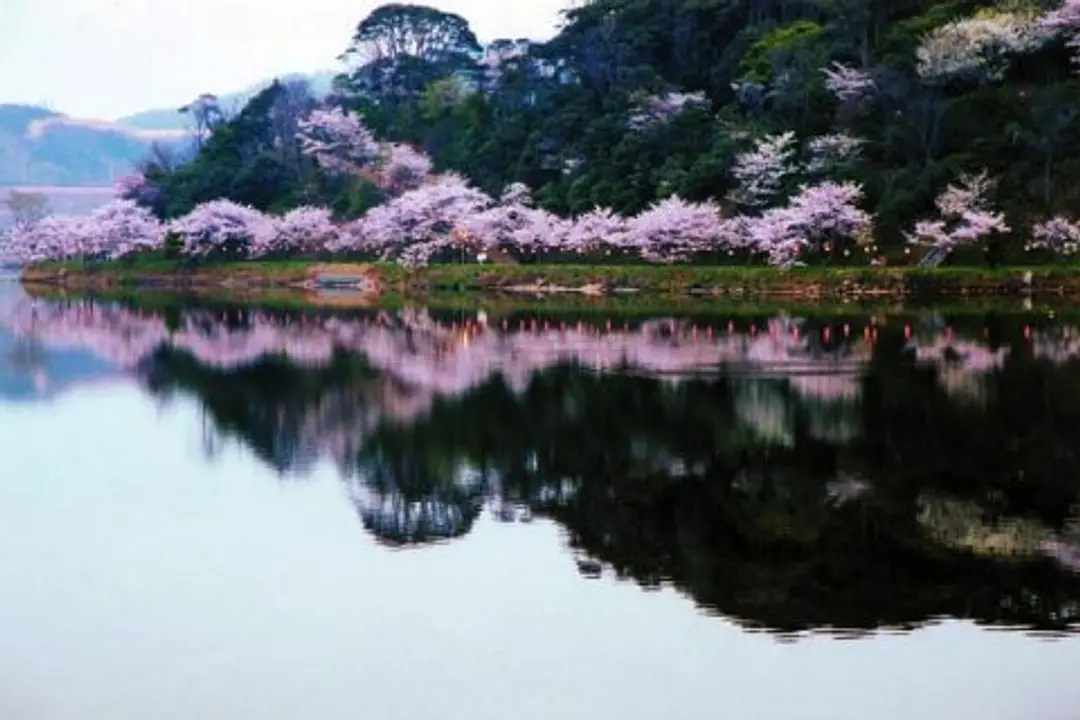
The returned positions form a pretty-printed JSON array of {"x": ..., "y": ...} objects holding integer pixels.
[{"x": 209, "y": 511}]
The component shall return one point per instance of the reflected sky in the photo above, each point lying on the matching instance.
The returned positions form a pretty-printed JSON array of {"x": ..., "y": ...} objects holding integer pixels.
[
  {"x": 140, "y": 581},
  {"x": 156, "y": 560}
]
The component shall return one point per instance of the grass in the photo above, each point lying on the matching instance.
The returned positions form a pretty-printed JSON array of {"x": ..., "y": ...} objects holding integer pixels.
[
  {"x": 716, "y": 280},
  {"x": 152, "y": 264},
  {"x": 560, "y": 306}
]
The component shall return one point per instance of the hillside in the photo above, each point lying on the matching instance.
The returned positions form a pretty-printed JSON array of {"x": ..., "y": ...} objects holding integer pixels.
[
  {"x": 172, "y": 119},
  {"x": 40, "y": 147},
  {"x": 746, "y": 104}
]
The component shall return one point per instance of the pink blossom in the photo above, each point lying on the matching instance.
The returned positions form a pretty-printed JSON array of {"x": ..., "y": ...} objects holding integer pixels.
[
  {"x": 539, "y": 231},
  {"x": 829, "y": 211},
  {"x": 776, "y": 234},
  {"x": 598, "y": 229},
  {"x": 404, "y": 168},
  {"x": 930, "y": 232},
  {"x": 976, "y": 224},
  {"x": 849, "y": 85},
  {"x": 122, "y": 227},
  {"x": 302, "y": 230},
  {"x": 111, "y": 231},
  {"x": 820, "y": 218},
  {"x": 222, "y": 226},
  {"x": 52, "y": 238},
  {"x": 514, "y": 225},
  {"x": 515, "y": 228},
  {"x": 1065, "y": 18},
  {"x": 418, "y": 224},
  {"x": 1058, "y": 235},
  {"x": 965, "y": 215},
  {"x": 674, "y": 230},
  {"x": 762, "y": 172},
  {"x": 338, "y": 141}
]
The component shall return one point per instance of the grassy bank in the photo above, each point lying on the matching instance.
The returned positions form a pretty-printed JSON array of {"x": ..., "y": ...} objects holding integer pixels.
[
  {"x": 565, "y": 305},
  {"x": 590, "y": 280}
]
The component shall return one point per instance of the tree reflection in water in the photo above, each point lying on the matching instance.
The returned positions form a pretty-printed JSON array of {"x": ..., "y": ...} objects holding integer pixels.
[{"x": 846, "y": 473}]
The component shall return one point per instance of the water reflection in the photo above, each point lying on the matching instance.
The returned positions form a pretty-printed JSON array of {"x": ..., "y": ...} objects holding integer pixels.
[{"x": 843, "y": 473}]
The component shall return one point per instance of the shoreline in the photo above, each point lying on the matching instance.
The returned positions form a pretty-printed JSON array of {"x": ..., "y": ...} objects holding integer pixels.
[
  {"x": 370, "y": 280},
  {"x": 497, "y": 304}
]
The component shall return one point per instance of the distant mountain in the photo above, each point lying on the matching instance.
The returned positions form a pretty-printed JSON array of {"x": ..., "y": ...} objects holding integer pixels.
[
  {"x": 172, "y": 119},
  {"x": 41, "y": 147}
]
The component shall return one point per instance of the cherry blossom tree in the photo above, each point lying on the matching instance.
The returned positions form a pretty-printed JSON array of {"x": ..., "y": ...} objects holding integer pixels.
[
  {"x": 673, "y": 230},
  {"x": 52, "y": 238},
  {"x": 965, "y": 215},
  {"x": 823, "y": 219},
  {"x": 514, "y": 225},
  {"x": 540, "y": 231},
  {"x": 114, "y": 230},
  {"x": 828, "y": 218},
  {"x": 832, "y": 153},
  {"x": 129, "y": 185},
  {"x": 1059, "y": 235},
  {"x": 339, "y": 141},
  {"x": 420, "y": 223},
  {"x": 653, "y": 110},
  {"x": 404, "y": 168},
  {"x": 849, "y": 85},
  {"x": 979, "y": 48},
  {"x": 120, "y": 228},
  {"x": 302, "y": 230},
  {"x": 598, "y": 229},
  {"x": 774, "y": 234},
  {"x": 762, "y": 172},
  {"x": 222, "y": 227}
]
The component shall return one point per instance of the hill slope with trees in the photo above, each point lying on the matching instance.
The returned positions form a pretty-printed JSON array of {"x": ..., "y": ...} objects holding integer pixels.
[
  {"x": 836, "y": 127},
  {"x": 41, "y": 147},
  {"x": 636, "y": 100}
]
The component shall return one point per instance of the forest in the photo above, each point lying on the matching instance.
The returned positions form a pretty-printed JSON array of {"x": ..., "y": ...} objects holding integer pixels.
[{"x": 801, "y": 122}]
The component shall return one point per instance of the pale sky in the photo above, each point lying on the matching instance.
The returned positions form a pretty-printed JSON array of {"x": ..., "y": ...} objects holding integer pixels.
[{"x": 109, "y": 58}]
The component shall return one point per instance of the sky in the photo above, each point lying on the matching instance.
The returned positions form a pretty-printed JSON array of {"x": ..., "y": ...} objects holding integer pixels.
[{"x": 105, "y": 59}]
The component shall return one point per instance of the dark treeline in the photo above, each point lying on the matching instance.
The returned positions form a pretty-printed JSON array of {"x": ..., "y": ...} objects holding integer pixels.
[{"x": 575, "y": 117}]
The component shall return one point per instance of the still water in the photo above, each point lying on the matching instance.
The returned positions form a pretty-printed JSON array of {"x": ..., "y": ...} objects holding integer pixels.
[{"x": 208, "y": 512}]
